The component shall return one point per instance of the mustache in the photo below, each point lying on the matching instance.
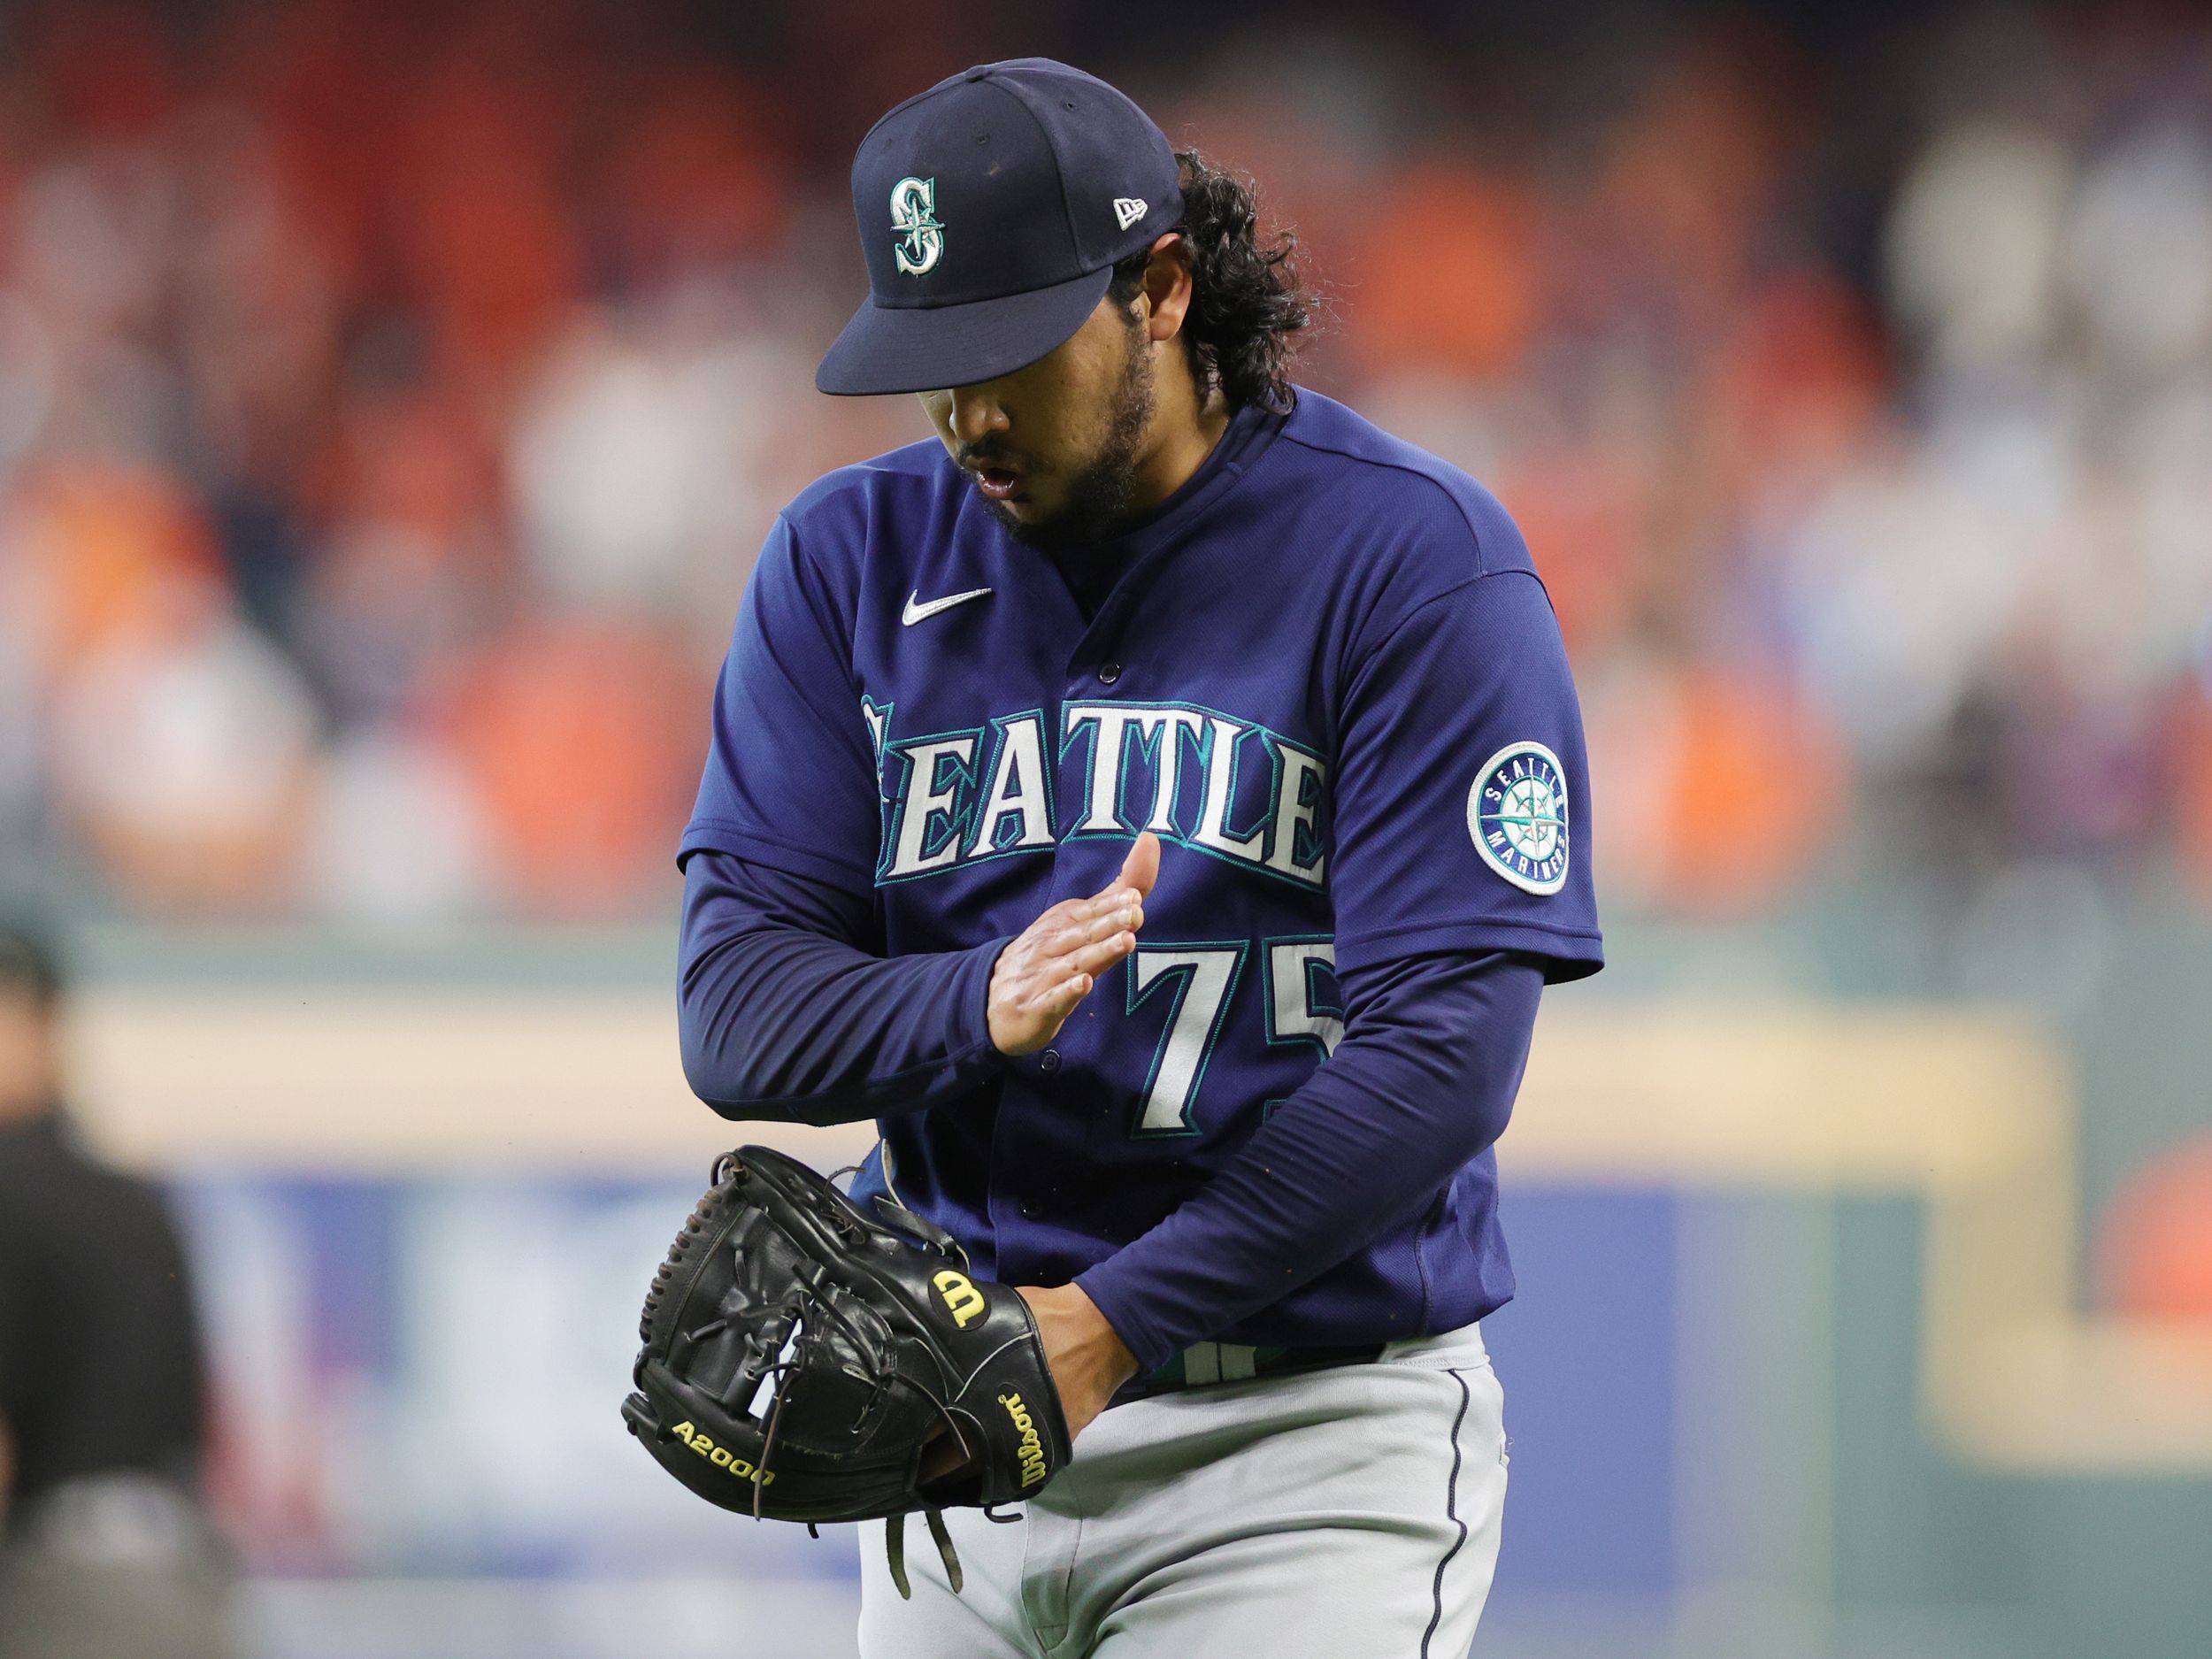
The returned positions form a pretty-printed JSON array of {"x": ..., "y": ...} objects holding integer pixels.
[{"x": 975, "y": 457}]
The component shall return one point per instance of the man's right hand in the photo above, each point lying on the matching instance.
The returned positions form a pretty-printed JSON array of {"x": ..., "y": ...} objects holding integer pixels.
[{"x": 1045, "y": 972}]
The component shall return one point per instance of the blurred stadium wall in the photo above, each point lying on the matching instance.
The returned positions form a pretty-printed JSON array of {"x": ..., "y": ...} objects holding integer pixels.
[{"x": 391, "y": 399}]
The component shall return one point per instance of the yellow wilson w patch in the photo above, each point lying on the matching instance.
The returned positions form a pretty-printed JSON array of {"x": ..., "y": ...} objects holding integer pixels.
[{"x": 963, "y": 1299}]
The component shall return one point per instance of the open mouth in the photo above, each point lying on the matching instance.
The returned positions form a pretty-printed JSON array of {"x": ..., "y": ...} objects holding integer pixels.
[{"x": 998, "y": 483}]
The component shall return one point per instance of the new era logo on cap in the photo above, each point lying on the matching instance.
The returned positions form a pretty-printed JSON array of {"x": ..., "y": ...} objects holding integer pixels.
[{"x": 1128, "y": 210}]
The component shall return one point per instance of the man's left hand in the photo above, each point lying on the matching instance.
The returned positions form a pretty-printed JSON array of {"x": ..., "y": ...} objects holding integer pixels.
[{"x": 1088, "y": 1359}]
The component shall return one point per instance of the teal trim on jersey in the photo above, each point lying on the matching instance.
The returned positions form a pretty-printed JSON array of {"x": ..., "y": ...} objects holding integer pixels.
[
  {"x": 1314, "y": 1004},
  {"x": 1271, "y": 743},
  {"x": 966, "y": 798},
  {"x": 1268, "y": 741},
  {"x": 879, "y": 739},
  {"x": 1313, "y": 791},
  {"x": 1315, "y": 967},
  {"x": 879, "y": 728},
  {"x": 1147, "y": 749},
  {"x": 1183, "y": 975},
  {"x": 1045, "y": 764},
  {"x": 1124, "y": 774}
]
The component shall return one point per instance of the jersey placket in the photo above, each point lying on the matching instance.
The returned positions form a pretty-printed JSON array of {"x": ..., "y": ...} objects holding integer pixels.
[{"x": 1036, "y": 1116}]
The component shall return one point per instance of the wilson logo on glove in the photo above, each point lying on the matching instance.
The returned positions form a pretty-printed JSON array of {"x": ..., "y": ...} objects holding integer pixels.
[
  {"x": 795, "y": 1341},
  {"x": 963, "y": 1299},
  {"x": 1032, "y": 1449}
]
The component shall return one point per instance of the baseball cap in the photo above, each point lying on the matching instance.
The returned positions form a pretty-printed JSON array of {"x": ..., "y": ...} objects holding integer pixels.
[{"x": 992, "y": 210}]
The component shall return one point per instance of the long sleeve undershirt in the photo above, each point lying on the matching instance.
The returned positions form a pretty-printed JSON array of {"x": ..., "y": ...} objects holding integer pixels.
[
  {"x": 1422, "y": 1081},
  {"x": 785, "y": 1014}
]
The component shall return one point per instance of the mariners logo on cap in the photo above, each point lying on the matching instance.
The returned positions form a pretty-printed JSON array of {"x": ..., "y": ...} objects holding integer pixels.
[
  {"x": 1517, "y": 811},
  {"x": 914, "y": 221}
]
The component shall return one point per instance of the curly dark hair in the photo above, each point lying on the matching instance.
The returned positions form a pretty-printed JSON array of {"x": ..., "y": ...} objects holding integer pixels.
[{"x": 1247, "y": 298}]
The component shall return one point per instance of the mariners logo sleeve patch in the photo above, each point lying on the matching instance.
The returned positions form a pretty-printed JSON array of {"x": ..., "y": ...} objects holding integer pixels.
[{"x": 1516, "y": 812}]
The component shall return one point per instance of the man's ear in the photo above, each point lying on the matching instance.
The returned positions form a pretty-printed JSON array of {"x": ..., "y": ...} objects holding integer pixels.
[{"x": 1168, "y": 286}]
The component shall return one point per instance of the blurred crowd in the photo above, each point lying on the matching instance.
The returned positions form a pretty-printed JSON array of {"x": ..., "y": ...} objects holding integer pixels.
[{"x": 392, "y": 398}]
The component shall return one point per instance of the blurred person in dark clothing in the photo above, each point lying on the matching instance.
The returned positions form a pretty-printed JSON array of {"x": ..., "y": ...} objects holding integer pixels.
[{"x": 104, "y": 1551}]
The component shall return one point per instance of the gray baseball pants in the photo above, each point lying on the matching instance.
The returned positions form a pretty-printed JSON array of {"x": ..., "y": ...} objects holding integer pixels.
[{"x": 1351, "y": 1513}]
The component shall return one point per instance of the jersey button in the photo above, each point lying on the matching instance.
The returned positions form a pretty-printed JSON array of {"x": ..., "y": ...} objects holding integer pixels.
[
  {"x": 1108, "y": 672},
  {"x": 1029, "y": 1212},
  {"x": 1049, "y": 1061}
]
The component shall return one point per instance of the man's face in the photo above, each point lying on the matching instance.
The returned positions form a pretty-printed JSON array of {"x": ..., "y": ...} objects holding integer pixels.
[
  {"x": 1053, "y": 447},
  {"x": 30, "y": 1060}
]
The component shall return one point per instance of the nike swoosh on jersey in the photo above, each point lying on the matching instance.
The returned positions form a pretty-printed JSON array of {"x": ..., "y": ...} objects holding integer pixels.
[{"x": 919, "y": 612}]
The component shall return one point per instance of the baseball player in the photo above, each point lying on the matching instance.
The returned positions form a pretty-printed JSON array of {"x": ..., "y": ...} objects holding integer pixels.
[{"x": 1158, "y": 801}]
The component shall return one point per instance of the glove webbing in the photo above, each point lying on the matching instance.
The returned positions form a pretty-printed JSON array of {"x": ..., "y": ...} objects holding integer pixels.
[
  {"x": 804, "y": 1301},
  {"x": 808, "y": 1301}
]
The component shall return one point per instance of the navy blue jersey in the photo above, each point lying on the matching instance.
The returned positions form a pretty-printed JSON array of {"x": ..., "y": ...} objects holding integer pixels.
[{"x": 1326, "y": 677}]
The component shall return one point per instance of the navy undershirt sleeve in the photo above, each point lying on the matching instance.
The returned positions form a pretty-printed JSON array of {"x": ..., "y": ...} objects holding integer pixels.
[
  {"x": 1423, "y": 1081},
  {"x": 787, "y": 1013}
]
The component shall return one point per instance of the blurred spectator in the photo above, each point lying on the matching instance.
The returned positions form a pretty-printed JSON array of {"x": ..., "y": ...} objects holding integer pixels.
[
  {"x": 1723, "y": 787},
  {"x": 575, "y": 737},
  {"x": 348, "y": 357},
  {"x": 1454, "y": 283},
  {"x": 2155, "y": 1249},
  {"x": 104, "y": 1551},
  {"x": 183, "y": 752}
]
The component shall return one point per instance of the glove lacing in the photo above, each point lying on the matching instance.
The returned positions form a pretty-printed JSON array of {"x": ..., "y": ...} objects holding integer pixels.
[
  {"x": 807, "y": 1300},
  {"x": 894, "y": 1551}
]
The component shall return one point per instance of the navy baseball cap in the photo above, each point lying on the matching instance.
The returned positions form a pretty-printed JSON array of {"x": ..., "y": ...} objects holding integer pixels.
[{"x": 992, "y": 210}]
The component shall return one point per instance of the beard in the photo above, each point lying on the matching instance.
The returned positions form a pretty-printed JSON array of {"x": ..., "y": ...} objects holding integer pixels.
[{"x": 1098, "y": 496}]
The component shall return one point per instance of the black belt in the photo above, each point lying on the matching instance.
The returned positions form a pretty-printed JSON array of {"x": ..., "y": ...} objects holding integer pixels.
[{"x": 1205, "y": 1364}]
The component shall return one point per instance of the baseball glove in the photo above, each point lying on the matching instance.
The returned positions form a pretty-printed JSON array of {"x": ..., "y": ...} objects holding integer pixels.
[{"x": 802, "y": 1356}]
